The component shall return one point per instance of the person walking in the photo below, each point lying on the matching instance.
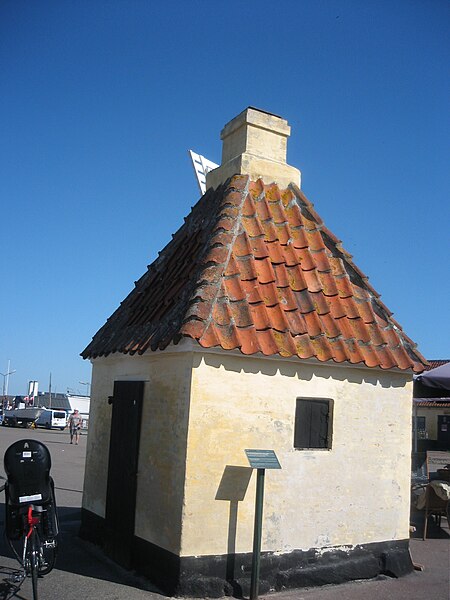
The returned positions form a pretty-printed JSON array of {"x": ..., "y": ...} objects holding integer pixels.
[{"x": 75, "y": 426}]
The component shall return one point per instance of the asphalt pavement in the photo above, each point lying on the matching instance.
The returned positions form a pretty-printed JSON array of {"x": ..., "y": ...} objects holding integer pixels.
[{"x": 83, "y": 573}]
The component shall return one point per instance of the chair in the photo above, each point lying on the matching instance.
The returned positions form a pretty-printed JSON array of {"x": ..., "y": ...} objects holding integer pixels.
[{"x": 434, "y": 506}]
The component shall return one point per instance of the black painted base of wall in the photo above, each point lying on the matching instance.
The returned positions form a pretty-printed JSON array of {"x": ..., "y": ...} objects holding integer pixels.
[{"x": 215, "y": 576}]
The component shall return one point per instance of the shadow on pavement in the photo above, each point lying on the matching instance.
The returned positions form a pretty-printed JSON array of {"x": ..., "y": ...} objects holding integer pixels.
[
  {"x": 55, "y": 442},
  {"x": 74, "y": 556},
  {"x": 10, "y": 584},
  {"x": 434, "y": 531}
]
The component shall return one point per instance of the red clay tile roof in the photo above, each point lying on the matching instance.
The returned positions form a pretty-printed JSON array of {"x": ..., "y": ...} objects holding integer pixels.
[
  {"x": 426, "y": 402},
  {"x": 254, "y": 268},
  {"x": 433, "y": 364}
]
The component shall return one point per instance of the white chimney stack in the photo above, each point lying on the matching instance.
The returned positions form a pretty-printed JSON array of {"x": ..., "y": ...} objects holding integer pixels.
[{"x": 255, "y": 144}]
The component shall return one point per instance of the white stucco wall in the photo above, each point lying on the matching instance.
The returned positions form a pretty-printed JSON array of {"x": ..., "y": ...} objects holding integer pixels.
[{"x": 357, "y": 492}]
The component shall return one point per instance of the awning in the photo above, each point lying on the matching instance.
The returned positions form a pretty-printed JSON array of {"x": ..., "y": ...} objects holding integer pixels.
[{"x": 436, "y": 378}]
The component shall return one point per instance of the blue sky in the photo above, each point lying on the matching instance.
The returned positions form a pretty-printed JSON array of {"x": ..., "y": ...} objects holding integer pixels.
[{"x": 100, "y": 101}]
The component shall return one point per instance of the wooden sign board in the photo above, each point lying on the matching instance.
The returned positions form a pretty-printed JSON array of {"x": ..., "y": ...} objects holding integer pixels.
[{"x": 437, "y": 460}]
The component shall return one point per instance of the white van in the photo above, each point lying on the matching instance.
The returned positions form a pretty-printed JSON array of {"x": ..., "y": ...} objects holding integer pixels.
[{"x": 50, "y": 418}]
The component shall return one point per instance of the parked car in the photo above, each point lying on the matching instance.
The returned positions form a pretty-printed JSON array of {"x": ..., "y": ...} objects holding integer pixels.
[{"x": 52, "y": 419}]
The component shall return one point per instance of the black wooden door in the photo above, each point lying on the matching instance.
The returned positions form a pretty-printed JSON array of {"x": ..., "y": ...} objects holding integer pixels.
[
  {"x": 122, "y": 470},
  {"x": 444, "y": 432}
]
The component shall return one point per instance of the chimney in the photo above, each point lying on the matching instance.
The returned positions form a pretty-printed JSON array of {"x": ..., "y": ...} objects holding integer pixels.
[{"x": 255, "y": 144}]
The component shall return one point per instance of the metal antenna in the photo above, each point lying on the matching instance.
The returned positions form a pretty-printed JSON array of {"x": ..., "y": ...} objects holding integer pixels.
[{"x": 201, "y": 166}]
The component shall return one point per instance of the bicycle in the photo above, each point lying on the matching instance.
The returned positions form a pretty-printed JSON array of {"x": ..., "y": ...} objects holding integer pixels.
[{"x": 31, "y": 523}]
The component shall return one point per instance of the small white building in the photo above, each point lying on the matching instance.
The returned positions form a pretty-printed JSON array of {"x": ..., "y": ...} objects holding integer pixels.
[
  {"x": 82, "y": 404},
  {"x": 254, "y": 329}
]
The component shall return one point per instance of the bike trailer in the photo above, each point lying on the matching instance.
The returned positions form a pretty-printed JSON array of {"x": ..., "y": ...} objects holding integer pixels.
[{"x": 27, "y": 466}]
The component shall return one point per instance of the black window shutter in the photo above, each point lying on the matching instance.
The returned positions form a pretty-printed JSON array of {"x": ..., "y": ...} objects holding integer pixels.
[
  {"x": 302, "y": 424},
  {"x": 319, "y": 424},
  {"x": 311, "y": 423}
]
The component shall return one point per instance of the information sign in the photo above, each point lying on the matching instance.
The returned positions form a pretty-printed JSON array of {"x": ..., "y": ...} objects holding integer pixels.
[
  {"x": 262, "y": 459},
  {"x": 259, "y": 460},
  {"x": 437, "y": 460}
]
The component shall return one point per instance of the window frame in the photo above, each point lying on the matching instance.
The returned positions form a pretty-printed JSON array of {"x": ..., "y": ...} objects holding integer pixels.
[{"x": 420, "y": 432}]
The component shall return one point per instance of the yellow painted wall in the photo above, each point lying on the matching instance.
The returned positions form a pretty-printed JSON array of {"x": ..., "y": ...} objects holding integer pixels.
[
  {"x": 431, "y": 419},
  {"x": 358, "y": 492},
  {"x": 162, "y": 441}
]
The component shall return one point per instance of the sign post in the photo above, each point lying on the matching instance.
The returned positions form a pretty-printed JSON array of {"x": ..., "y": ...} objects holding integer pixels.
[{"x": 259, "y": 460}]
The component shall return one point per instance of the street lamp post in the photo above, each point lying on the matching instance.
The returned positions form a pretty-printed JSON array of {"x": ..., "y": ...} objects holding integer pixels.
[
  {"x": 87, "y": 384},
  {"x": 6, "y": 379}
]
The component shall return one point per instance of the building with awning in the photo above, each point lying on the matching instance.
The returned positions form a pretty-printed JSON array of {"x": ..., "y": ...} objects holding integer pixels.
[{"x": 431, "y": 424}]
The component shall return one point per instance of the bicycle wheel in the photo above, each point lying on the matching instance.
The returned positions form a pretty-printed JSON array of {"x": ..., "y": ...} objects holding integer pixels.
[{"x": 34, "y": 561}]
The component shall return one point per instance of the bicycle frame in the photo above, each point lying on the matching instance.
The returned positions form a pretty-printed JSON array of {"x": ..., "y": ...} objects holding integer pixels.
[
  {"x": 37, "y": 555},
  {"x": 32, "y": 522}
]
